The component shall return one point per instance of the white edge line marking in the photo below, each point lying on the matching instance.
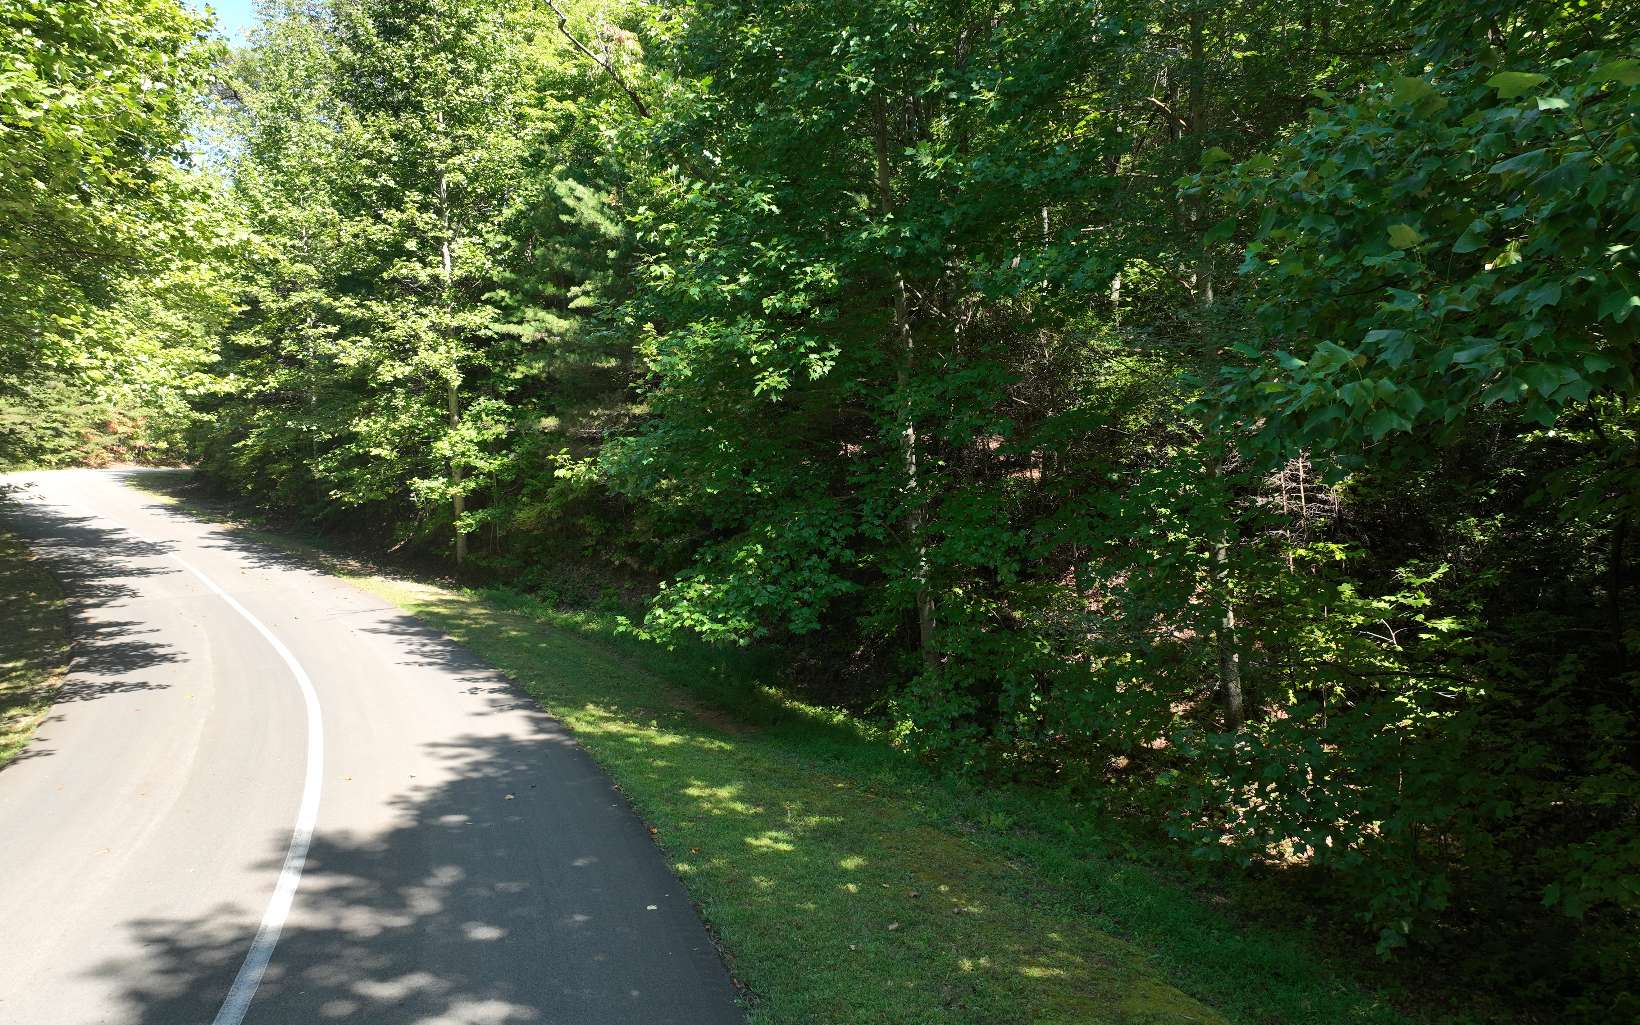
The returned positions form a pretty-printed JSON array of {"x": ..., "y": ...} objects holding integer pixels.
[
  {"x": 307, "y": 814},
  {"x": 245, "y": 983}
]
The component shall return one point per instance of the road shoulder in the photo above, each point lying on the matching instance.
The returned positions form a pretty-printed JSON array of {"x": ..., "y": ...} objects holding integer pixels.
[{"x": 34, "y": 645}]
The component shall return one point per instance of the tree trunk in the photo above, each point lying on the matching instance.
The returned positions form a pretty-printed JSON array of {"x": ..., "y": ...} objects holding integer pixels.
[
  {"x": 1225, "y": 641},
  {"x": 1224, "y": 633},
  {"x": 458, "y": 502},
  {"x": 1615, "y": 571},
  {"x": 905, "y": 343}
]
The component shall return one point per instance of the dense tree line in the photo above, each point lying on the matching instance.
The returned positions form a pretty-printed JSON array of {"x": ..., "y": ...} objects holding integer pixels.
[
  {"x": 1226, "y": 409},
  {"x": 108, "y": 301}
]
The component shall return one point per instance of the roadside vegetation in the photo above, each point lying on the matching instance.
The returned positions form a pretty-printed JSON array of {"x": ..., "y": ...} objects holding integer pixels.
[
  {"x": 33, "y": 644},
  {"x": 845, "y": 881},
  {"x": 847, "y": 885},
  {"x": 1211, "y": 422}
]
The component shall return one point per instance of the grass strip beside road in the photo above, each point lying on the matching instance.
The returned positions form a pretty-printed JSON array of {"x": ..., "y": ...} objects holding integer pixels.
[
  {"x": 839, "y": 898},
  {"x": 848, "y": 885},
  {"x": 33, "y": 644}
]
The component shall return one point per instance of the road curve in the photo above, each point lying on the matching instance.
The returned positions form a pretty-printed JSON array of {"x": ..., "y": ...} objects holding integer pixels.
[{"x": 468, "y": 864}]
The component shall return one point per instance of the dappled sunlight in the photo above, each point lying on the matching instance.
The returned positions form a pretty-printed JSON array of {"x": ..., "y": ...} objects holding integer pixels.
[
  {"x": 807, "y": 871},
  {"x": 866, "y": 881},
  {"x": 987, "y": 481},
  {"x": 34, "y": 646},
  {"x": 720, "y": 800},
  {"x": 96, "y": 631},
  {"x": 471, "y": 907},
  {"x": 592, "y": 718},
  {"x": 774, "y": 841},
  {"x": 98, "y": 567}
]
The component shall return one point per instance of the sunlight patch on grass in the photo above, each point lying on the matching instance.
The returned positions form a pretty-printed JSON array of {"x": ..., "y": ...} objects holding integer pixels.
[
  {"x": 836, "y": 903},
  {"x": 773, "y": 840}
]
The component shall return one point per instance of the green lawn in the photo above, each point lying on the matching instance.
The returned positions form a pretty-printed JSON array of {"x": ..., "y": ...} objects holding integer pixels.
[
  {"x": 850, "y": 887},
  {"x": 846, "y": 884},
  {"x": 33, "y": 644}
]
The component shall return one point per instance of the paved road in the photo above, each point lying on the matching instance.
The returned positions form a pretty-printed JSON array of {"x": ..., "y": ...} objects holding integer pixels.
[{"x": 467, "y": 862}]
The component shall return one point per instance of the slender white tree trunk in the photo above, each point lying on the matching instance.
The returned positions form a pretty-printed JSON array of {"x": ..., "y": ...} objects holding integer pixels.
[{"x": 458, "y": 501}]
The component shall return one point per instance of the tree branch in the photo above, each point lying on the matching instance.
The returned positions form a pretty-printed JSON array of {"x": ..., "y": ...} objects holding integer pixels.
[
  {"x": 1169, "y": 112},
  {"x": 703, "y": 174},
  {"x": 563, "y": 27}
]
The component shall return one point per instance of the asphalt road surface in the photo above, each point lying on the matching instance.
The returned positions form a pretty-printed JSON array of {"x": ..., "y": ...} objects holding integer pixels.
[{"x": 265, "y": 796}]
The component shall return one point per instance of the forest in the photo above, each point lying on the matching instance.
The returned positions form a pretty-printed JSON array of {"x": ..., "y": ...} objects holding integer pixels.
[{"x": 1223, "y": 412}]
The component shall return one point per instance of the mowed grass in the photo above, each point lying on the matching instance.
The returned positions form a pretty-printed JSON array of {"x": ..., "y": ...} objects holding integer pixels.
[
  {"x": 33, "y": 644},
  {"x": 850, "y": 886},
  {"x": 847, "y": 884}
]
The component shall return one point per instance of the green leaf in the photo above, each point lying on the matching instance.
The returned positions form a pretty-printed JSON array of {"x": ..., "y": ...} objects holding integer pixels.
[
  {"x": 1526, "y": 162},
  {"x": 1475, "y": 354},
  {"x": 1510, "y": 84},
  {"x": 1383, "y": 421},
  {"x": 1507, "y": 389},
  {"x": 1329, "y": 356},
  {"x": 1568, "y": 176},
  {"x": 1551, "y": 103},
  {"x": 1624, "y": 72},
  {"x": 1384, "y": 336},
  {"x": 1412, "y": 88},
  {"x": 1408, "y": 401},
  {"x": 1215, "y": 155},
  {"x": 1259, "y": 163},
  {"x": 1404, "y": 236},
  {"x": 1393, "y": 346},
  {"x": 1220, "y": 231},
  {"x": 1543, "y": 295},
  {"x": 1544, "y": 379},
  {"x": 1617, "y": 304},
  {"x": 1402, "y": 299},
  {"x": 1476, "y": 236}
]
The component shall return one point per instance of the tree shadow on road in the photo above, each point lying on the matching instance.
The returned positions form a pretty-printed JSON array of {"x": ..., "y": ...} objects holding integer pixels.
[
  {"x": 232, "y": 528},
  {"x": 513, "y": 886},
  {"x": 99, "y": 569}
]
